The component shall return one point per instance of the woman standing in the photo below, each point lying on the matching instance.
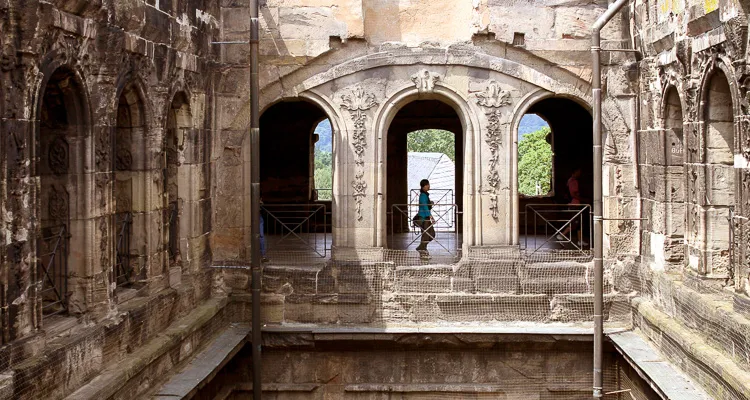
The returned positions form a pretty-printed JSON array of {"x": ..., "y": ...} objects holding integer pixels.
[{"x": 424, "y": 216}]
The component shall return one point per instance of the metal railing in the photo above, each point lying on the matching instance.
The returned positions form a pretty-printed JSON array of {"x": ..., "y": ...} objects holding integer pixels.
[
  {"x": 123, "y": 272},
  {"x": 563, "y": 226},
  {"x": 296, "y": 229},
  {"x": 444, "y": 221},
  {"x": 52, "y": 270},
  {"x": 438, "y": 196},
  {"x": 441, "y": 196}
]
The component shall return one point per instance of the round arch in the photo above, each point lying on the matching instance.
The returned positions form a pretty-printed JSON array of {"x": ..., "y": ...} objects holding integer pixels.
[
  {"x": 384, "y": 117},
  {"x": 720, "y": 132},
  {"x": 526, "y": 105}
]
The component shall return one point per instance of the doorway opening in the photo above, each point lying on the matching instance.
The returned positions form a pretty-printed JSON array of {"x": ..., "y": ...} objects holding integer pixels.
[
  {"x": 130, "y": 180},
  {"x": 425, "y": 141},
  {"x": 555, "y": 176},
  {"x": 716, "y": 208},
  {"x": 296, "y": 181},
  {"x": 63, "y": 125}
]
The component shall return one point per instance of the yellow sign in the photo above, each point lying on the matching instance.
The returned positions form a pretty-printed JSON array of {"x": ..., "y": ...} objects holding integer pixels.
[{"x": 710, "y": 5}]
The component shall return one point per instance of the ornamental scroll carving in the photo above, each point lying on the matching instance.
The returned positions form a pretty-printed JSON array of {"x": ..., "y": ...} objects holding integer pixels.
[
  {"x": 493, "y": 99},
  {"x": 357, "y": 102}
]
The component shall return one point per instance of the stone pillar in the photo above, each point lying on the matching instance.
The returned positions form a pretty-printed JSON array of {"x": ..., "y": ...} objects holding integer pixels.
[
  {"x": 493, "y": 156},
  {"x": 355, "y": 193},
  {"x": 230, "y": 236}
]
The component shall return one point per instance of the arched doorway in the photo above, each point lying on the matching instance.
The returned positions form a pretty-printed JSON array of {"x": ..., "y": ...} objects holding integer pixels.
[
  {"x": 709, "y": 218},
  {"x": 179, "y": 146},
  {"x": 555, "y": 176},
  {"x": 674, "y": 228},
  {"x": 296, "y": 181},
  {"x": 423, "y": 125},
  {"x": 61, "y": 251},
  {"x": 130, "y": 175}
]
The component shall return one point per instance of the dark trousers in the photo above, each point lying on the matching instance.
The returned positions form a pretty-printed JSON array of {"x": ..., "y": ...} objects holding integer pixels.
[{"x": 428, "y": 233}]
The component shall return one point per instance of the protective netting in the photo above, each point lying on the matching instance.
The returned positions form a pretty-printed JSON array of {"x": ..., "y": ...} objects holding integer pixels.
[{"x": 396, "y": 287}]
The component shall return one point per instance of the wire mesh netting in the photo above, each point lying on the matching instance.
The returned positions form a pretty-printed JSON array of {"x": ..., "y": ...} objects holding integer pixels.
[{"x": 402, "y": 287}]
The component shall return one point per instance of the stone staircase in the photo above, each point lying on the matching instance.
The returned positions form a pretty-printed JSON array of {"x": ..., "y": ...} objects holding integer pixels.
[{"x": 465, "y": 292}]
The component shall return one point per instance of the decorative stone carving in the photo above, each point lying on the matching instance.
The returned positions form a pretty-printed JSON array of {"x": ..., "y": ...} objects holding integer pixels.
[
  {"x": 101, "y": 181},
  {"x": 58, "y": 156},
  {"x": 357, "y": 102},
  {"x": 57, "y": 205},
  {"x": 735, "y": 30},
  {"x": 359, "y": 186},
  {"x": 104, "y": 244},
  {"x": 123, "y": 159},
  {"x": 103, "y": 144},
  {"x": 493, "y": 98},
  {"x": 493, "y": 138},
  {"x": 138, "y": 65},
  {"x": 425, "y": 80},
  {"x": 8, "y": 59}
]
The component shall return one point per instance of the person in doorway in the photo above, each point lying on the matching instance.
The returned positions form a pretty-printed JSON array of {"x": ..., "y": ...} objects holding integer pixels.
[
  {"x": 424, "y": 217},
  {"x": 574, "y": 196}
]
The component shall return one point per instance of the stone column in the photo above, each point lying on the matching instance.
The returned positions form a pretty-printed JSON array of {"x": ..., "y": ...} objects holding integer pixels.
[
  {"x": 493, "y": 159},
  {"x": 354, "y": 192}
]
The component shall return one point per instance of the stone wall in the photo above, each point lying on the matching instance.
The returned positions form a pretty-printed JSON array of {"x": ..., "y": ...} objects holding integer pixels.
[
  {"x": 422, "y": 366},
  {"x": 90, "y": 94},
  {"x": 692, "y": 137},
  {"x": 360, "y": 63}
]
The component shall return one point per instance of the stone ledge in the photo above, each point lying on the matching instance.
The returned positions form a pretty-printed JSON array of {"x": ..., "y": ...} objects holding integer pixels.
[
  {"x": 648, "y": 362},
  {"x": 204, "y": 366},
  {"x": 115, "y": 377},
  {"x": 716, "y": 373},
  {"x": 712, "y": 316}
]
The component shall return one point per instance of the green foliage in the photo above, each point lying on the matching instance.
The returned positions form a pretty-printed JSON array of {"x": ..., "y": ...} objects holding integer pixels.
[
  {"x": 323, "y": 173},
  {"x": 535, "y": 163},
  {"x": 432, "y": 141}
]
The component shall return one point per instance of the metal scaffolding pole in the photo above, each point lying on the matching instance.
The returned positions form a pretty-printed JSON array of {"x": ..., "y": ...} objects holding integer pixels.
[
  {"x": 255, "y": 199},
  {"x": 596, "y": 85}
]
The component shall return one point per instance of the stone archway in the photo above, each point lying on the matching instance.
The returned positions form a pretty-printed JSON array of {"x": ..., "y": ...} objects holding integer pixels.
[
  {"x": 296, "y": 218},
  {"x": 179, "y": 184},
  {"x": 414, "y": 116},
  {"x": 131, "y": 186},
  {"x": 571, "y": 142},
  {"x": 64, "y": 128},
  {"x": 438, "y": 94},
  {"x": 674, "y": 196},
  {"x": 708, "y": 240}
]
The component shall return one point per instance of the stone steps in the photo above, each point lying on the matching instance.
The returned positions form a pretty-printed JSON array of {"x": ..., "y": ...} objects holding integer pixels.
[
  {"x": 497, "y": 277},
  {"x": 397, "y": 308}
]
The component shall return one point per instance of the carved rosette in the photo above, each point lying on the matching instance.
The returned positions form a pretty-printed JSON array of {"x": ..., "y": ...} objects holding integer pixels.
[
  {"x": 357, "y": 101},
  {"x": 58, "y": 156},
  {"x": 493, "y": 99},
  {"x": 425, "y": 80}
]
